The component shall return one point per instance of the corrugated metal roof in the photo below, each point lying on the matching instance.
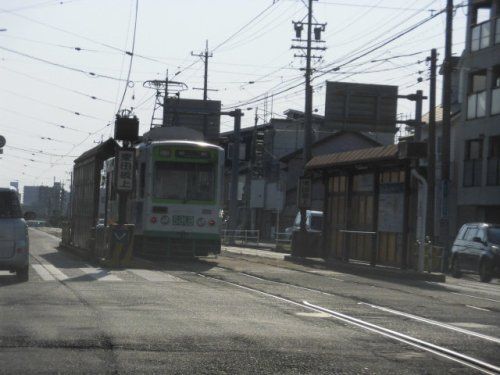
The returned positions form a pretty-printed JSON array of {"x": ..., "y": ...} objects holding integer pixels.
[{"x": 353, "y": 157}]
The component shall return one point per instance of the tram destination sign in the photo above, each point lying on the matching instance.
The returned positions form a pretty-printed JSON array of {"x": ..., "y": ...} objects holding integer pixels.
[{"x": 125, "y": 171}]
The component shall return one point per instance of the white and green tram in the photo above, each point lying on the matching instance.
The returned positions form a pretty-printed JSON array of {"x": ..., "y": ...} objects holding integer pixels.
[{"x": 177, "y": 198}]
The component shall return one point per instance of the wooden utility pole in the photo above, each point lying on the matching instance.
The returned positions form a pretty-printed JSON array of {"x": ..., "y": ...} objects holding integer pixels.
[{"x": 431, "y": 148}]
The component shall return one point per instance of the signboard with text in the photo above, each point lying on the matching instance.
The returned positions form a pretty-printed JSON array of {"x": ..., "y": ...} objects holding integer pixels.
[{"x": 125, "y": 171}]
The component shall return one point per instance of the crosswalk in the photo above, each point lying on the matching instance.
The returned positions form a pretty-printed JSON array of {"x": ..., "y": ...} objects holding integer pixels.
[{"x": 46, "y": 272}]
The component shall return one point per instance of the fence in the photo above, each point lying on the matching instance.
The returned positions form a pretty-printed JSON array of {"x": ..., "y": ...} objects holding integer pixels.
[
  {"x": 240, "y": 237},
  {"x": 283, "y": 240}
]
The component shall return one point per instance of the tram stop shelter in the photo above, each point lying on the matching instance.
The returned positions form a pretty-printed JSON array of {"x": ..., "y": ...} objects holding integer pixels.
[{"x": 370, "y": 205}]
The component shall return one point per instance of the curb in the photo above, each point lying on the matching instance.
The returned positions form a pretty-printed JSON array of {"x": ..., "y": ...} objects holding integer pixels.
[{"x": 364, "y": 270}]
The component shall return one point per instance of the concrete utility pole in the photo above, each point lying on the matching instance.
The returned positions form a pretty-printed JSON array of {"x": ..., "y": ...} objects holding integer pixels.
[
  {"x": 308, "y": 87},
  {"x": 204, "y": 56},
  {"x": 418, "y": 115},
  {"x": 446, "y": 126},
  {"x": 431, "y": 147}
]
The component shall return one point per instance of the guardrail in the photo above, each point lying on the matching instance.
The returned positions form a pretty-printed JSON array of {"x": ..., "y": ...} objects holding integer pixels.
[{"x": 240, "y": 237}]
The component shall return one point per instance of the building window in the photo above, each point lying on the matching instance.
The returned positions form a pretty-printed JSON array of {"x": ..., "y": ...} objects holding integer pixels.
[
  {"x": 493, "y": 173},
  {"x": 481, "y": 29},
  {"x": 495, "y": 90},
  {"x": 476, "y": 100},
  {"x": 473, "y": 162}
]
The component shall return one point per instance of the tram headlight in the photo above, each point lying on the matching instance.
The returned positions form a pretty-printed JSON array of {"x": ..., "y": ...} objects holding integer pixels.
[
  {"x": 165, "y": 220},
  {"x": 153, "y": 220},
  {"x": 201, "y": 222},
  {"x": 211, "y": 222}
]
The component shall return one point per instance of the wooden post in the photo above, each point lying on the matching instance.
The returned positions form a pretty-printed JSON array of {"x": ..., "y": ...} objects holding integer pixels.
[
  {"x": 376, "y": 193},
  {"x": 406, "y": 218},
  {"x": 347, "y": 239}
]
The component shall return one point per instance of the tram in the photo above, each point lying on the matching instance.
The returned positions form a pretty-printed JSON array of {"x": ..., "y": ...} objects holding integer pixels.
[{"x": 176, "y": 201}]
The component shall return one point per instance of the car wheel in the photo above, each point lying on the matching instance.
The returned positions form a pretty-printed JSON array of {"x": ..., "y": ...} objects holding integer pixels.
[
  {"x": 23, "y": 274},
  {"x": 455, "y": 268},
  {"x": 485, "y": 271}
]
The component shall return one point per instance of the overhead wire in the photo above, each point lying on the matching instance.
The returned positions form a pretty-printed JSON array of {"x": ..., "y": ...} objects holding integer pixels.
[{"x": 131, "y": 55}]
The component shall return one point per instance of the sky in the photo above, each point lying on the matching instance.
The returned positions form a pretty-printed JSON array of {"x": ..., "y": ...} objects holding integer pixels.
[{"x": 64, "y": 64}]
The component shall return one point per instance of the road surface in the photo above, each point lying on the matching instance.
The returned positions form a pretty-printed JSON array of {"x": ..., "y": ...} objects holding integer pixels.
[{"x": 239, "y": 314}]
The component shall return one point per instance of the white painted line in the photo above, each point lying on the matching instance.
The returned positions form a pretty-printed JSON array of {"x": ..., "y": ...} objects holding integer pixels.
[
  {"x": 286, "y": 284},
  {"x": 477, "y": 308},
  {"x": 100, "y": 274},
  {"x": 155, "y": 276},
  {"x": 313, "y": 314},
  {"x": 54, "y": 271},
  {"x": 43, "y": 272},
  {"x": 476, "y": 297},
  {"x": 433, "y": 322}
]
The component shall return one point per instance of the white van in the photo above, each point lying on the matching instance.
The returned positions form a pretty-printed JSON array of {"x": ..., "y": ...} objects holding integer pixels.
[
  {"x": 314, "y": 221},
  {"x": 14, "y": 243}
]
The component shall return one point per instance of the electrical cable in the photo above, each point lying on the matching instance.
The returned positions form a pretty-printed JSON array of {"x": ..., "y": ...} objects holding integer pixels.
[
  {"x": 131, "y": 55},
  {"x": 92, "y": 74}
]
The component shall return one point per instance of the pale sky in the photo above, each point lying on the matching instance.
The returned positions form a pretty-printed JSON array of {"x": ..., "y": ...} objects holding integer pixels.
[{"x": 45, "y": 80}]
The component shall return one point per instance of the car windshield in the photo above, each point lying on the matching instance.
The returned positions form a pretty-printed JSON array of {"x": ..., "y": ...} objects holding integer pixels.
[
  {"x": 494, "y": 235},
  {"x": 9, "y": 205}
]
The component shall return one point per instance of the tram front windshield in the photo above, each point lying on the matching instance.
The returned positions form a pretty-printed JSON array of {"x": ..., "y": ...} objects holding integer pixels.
[{"x": 184, "y": 181}]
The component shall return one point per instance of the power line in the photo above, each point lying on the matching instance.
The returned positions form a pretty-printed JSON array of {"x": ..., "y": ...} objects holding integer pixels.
[
  {"x": 244, "y": 26},
  {"x": 93, "y": 97},
  {"x": 92, "y": 74},
  {"x": 131, "y": 55}
]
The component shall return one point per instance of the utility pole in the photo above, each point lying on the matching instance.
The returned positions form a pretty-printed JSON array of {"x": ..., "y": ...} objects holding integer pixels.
[
  {"x": 233, "y": 198},
  {"x": 418, "y": 115},
  {"x": 431, "y": 148},
  {"x": 446, "y": 125},
  {"x": 204, "y": 56},
  {"x": 318, "y": 28}
]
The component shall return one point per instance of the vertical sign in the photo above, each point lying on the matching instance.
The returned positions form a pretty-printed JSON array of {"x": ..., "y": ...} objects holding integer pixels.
[
  {"x": 125, "y": 171},
  {"x": 304, "y": 196}
]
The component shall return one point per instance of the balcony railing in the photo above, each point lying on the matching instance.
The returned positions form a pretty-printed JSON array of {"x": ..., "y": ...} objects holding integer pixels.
[
  {"x": 493, "y": 176},
  {"x": 476, "y": 105},
  {"x": 480, "y": 36},
  {"x": 473, "y": 172},
  {"x": 495, "y": 101}
]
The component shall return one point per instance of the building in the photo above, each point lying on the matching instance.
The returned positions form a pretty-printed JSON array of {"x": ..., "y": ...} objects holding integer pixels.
[
  {"x": 477, "y": 136},
  {"x": 46, "y": 201},
  {"x": 293, "y": 167}
]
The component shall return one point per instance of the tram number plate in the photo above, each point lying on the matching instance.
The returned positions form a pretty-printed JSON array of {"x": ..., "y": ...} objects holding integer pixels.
[{"x": 181, "y": 220}]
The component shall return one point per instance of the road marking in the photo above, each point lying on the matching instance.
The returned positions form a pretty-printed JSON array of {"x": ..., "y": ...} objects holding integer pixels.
[
  {"x": 55, "y": 272},
  {"x": 433, "y": 322},
  {"x": 155, "y": 276},
  {"x": 476, "y": 297},
  {"x": 43, "y": 272},
  {"x": 100, "y": 274},
  {"x": 423, "y": 345},
  {"x": 477, "y": 308},
  {"x": 313, "y": 314},
  {"x": 286, "y": 284}
]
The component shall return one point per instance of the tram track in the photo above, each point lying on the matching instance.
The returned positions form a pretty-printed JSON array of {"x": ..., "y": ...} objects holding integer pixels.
[{"x": 440, "y": 351}]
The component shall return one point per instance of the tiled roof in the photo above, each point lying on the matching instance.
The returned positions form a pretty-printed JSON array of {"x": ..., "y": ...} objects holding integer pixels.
[{"x": 352, "y": 157}]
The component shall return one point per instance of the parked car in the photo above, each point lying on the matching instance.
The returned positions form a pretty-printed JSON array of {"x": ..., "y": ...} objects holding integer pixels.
[
  {"x": 314, "y": 221},
  {"x": 14, "y": 242},
  {"x": 477, "y": 249}
]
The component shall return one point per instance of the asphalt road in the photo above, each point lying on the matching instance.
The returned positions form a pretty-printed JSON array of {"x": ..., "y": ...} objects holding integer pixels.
[{"x": 240, "y": 314}]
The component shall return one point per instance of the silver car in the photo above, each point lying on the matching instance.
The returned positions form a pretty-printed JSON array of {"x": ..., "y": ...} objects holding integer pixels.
[{"x": 14, "y": 242}]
